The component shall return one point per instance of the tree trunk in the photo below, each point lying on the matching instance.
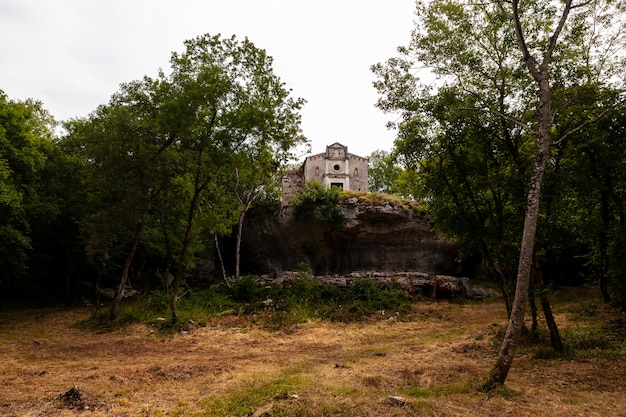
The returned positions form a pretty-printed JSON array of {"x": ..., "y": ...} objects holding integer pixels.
[
  {"x": 183, "y": 253},
  {"x": 540, "y": 73},
  {"x": 513, "y": 333},
  {"x": 619, "y": 282},
  {"x": 242, "y": 216},
  {"x": 505, "y": 284},
  {"x": 246, "y": 203},
  {"x": 219, "y": 256},
  {"x": 129, "y": 260},
  {"x": 179, "y": 273},
  {"x": 98, "y": 278},
  {"x": 555, "y": 336},
  {"x": 534, "y": 329},
  {"x": 602, "y": 268}
]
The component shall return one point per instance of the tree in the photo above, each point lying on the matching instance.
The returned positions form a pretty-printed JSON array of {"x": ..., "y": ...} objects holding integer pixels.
[
  {"x": 223, "y": 101},
  {"x": 470, "y": 173},
  {"x": 465, "y": 43},
  {"x": 467, "y": 163},
  {"x": 182, "y": 156},
  {"x": 538, "y": 60},
  {"x": 58, "y": 260},
  {"x": 383, "y": 174},
  {"x": 256, "y": 174},
  {"x": 126, "y": 168},
  {"x": 590, "y": 189}
]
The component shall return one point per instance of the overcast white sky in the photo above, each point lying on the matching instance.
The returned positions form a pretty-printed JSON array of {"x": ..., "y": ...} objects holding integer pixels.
[{"x": 73, "y": 54}]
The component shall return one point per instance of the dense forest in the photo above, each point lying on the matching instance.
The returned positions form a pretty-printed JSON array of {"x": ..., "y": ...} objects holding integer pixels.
[{"x": 146, "y": 184}]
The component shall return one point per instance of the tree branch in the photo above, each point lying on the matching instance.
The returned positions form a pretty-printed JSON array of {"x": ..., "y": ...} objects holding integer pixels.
[
  {"x": 555, "y": 36},
  {"x": 529, "y": 60},
  {"x": 582, "y": 125},
  {"x": 515, "y": 121},
  {"x": 503, "y": 10},
  {"x": 583, "y": 4}
]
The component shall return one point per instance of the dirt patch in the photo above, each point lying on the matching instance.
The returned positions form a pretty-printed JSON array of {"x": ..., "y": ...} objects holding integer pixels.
[
  {"x": 428, "y": 363},
  {"x": 79, "y": 400}
]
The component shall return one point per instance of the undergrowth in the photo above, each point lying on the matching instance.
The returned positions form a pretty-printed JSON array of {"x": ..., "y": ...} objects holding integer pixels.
[
  {"x": 595, "y": 330},
  {"x": 273, "y": 307}
]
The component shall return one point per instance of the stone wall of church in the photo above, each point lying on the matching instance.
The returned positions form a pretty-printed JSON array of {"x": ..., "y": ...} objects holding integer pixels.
[
  {"x": 292, "y": 182},
  {"x": 358, "y": 173},
  {"x": 314, "y": 168}
]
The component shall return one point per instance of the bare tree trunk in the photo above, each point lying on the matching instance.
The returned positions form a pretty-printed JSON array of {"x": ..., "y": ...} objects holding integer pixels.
[
  {"x": 219, "y": 256},
  {"x": 516, "y": 320},
  {"x": 553, "y": 329},
  {"x": 246, "y": 202},
  {"x": 242, "y": 216},
  {"x": 534, "y": 329},
  {"x": 129, "y": 260}
]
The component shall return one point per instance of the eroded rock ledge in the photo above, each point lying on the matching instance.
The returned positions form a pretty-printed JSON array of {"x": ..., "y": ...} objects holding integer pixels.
[
  {"x": 386, "y": 240},
  {"x": 384, "y": 236}
]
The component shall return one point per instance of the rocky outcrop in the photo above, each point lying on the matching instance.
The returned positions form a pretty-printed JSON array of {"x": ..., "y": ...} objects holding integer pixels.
[
  {"x": 430, "y": 285},
  {"x": 388, "y": 235}
]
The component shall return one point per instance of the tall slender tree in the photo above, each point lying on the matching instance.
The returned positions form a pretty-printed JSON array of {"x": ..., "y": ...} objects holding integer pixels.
[
  {"x": 537, "y": 51},
  {"x": 508, "y": 60}
]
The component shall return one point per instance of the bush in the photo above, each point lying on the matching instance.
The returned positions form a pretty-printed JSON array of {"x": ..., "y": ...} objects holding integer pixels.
[
  {"x": 363, "y": 298},
  {"x": 246, "y": 290},
  {"x": 323, "y": 203},
  {"x": 100, "y": 321}
]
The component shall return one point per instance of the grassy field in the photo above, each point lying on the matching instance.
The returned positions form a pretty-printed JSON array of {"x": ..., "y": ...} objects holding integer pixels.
[{"x": 429, "y": 361}]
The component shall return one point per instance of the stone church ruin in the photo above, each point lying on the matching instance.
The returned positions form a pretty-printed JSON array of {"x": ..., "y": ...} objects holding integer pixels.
[
  {"x": 385, "y": 240},
  {"x": 333, "y": 168}
]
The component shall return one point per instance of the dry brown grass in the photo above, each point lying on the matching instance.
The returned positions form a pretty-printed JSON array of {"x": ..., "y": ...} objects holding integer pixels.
[{"x": 435, "y": 362}]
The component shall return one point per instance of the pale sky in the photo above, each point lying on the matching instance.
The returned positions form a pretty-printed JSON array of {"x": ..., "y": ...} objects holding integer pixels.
[{"x": 72, "y": 55}]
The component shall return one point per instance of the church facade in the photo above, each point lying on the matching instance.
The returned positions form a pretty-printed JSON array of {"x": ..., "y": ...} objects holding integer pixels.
[{"x": 333, "y": 168}]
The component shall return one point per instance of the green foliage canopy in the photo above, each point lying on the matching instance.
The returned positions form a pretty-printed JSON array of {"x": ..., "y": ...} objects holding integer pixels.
[
  {"x": 26, "y": 144},
  {"x": 468, "y": 111}
]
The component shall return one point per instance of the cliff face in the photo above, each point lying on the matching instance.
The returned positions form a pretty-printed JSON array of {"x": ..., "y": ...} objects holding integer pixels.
[{"x": 376, "y": 237}]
